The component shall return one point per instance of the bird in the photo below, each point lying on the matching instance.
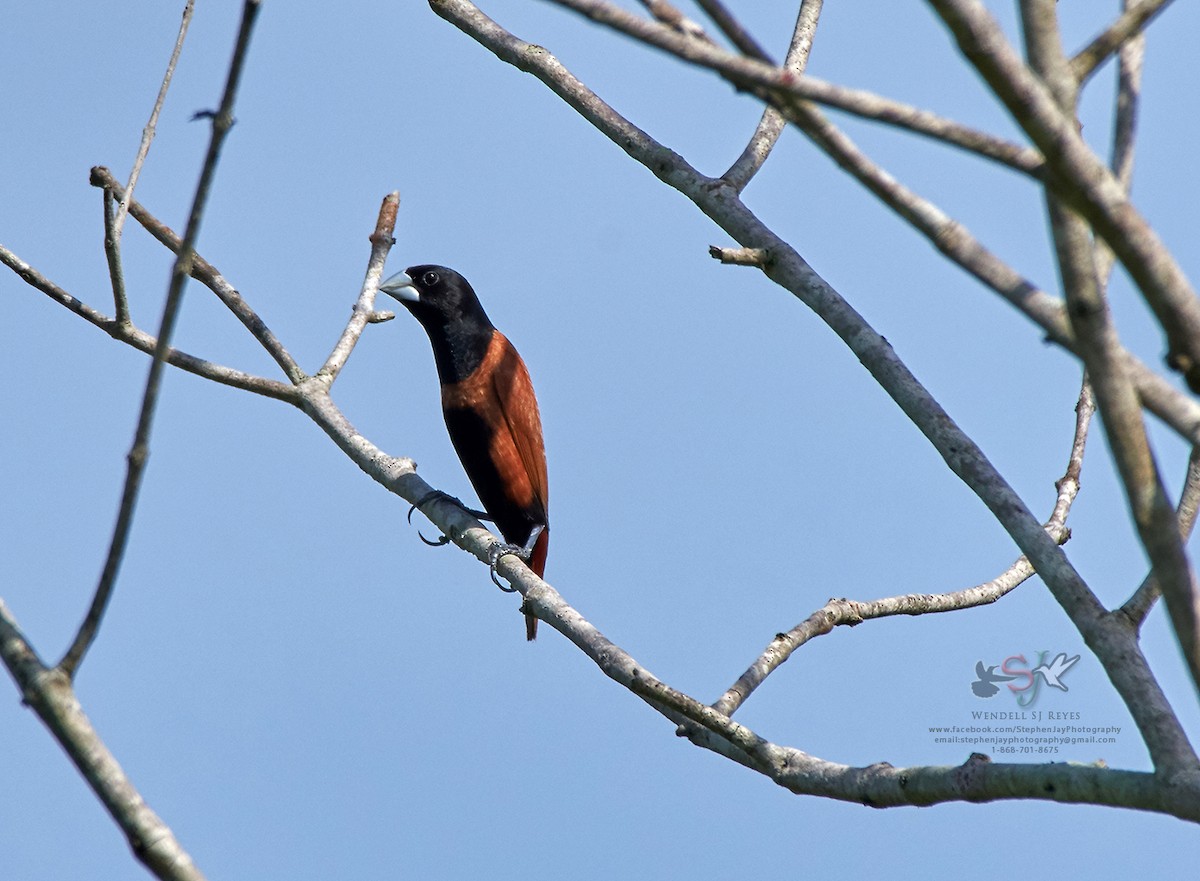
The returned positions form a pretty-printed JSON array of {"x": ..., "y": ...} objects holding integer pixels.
[{"x": 490, "y": 409}]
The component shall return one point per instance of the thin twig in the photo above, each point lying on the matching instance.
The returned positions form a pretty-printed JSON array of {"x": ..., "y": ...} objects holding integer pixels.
[
  {"x": 1068, "y": 485},
  {"x": 1132, "y": 22},
  {"x": 364, "y": 309},
  {"x": 203, "y": 272},
  {"x": 673, "y": 18},
  {"x": 844, "y": 612},
  {"x": 779, "y": 87},
  {"x": 1131, "y": 58},
  {"x": 148, "y": 132},
  {"x": 112, "y": 252},
  {"x": 1138, "y": 606},
  {"x": 139, "y": 339},
  {"x": 772, "y": 123},
  {"x": 732, "y": 29},
  {"x": 139, "y": 453}
]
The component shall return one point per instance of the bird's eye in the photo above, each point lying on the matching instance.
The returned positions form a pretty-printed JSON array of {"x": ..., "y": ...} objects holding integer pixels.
[{"x": 430, "y": 278}]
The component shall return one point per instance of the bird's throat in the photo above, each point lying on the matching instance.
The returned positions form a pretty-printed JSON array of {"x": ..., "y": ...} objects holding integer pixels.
[{"x": 459, "y": 349}]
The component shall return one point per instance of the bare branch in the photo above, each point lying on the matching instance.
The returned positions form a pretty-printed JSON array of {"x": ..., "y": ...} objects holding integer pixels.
[
  {"x": 1129, "y": 89},
  {"x": 779, "y": 87},
  {"x": 112, "y": 252},
  {"x": 956, "y": 242},
  {"x": 1112, "y": 642},
  {"x": 1099, "y": 347},
  {"x": 1138, "y": 606},
  {"x": 772, "y": 123},
  {"x": 118, "y": 223},
  {"x": 732, "y": 29},
  {"x": 674, "y": 19},
  {"x": 1189, "y": 497},
  {"x": 203, "y": 272},
  {"x": 114, "y": 222},
  {"x": 1083, "y": 180},
  {"x": 770, "y": 126},
  {"x": 1131, "y": 23},
  {"x": 381, "y": 244},
  {"x": 880, "y": 785},
  {"x": 49, "y": 693},
  {"x": 838, "y": 612},
  {"x": 143, "y": 341},
  {"x": 35, "y": 279},
  {"x": 139, "y": 453}
]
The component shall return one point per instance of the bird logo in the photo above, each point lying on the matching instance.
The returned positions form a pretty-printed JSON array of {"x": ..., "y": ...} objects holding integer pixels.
[{"x": 1032, "y": 677}]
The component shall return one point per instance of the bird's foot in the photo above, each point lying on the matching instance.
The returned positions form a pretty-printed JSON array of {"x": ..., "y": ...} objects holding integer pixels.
[
  {"x": 438, "y": 494},
  {"x": 501, "y": 549}
]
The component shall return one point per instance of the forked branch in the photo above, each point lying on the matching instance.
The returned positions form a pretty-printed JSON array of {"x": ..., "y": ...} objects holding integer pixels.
[
  {"x": 1111, "y": 641},
  {"x": 222, "y": 121},
  {"x": 844, "y": 612}
]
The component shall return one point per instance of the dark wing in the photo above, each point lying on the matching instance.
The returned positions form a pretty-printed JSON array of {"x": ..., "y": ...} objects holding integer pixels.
[
  {"x": 493, "y": 420},
  {"x": 514, "y": 392}
]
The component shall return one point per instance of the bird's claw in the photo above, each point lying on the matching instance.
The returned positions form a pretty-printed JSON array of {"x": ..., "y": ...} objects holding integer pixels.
[
  {"x": 441, "y": 540},
  {"x": 438, "y": 494},
  {"x": 433, "y": 543},
  {"x": 501, "y": 549},
  {"x": 497, "y": 550}
]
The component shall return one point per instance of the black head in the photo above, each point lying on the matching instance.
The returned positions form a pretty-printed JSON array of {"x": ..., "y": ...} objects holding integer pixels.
[
  {"x": 438, "y": 297},
  {"x": 446, "y": 305}
]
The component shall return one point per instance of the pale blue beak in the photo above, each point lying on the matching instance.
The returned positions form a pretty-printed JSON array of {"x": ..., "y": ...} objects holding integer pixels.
[{"x": 401, "y": 287}]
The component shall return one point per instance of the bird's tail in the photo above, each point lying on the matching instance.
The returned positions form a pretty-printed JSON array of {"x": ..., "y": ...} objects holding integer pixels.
[{"x": 537, "y": 562}]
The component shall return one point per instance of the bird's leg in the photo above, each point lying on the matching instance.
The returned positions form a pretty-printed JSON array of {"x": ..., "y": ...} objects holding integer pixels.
[
  {"x": 438, "y": 494},
  {"x": 500, "y": 549}
]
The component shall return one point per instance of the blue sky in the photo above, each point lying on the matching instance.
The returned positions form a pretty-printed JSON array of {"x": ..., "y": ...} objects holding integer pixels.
[{"x": 302, "y": 689}]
